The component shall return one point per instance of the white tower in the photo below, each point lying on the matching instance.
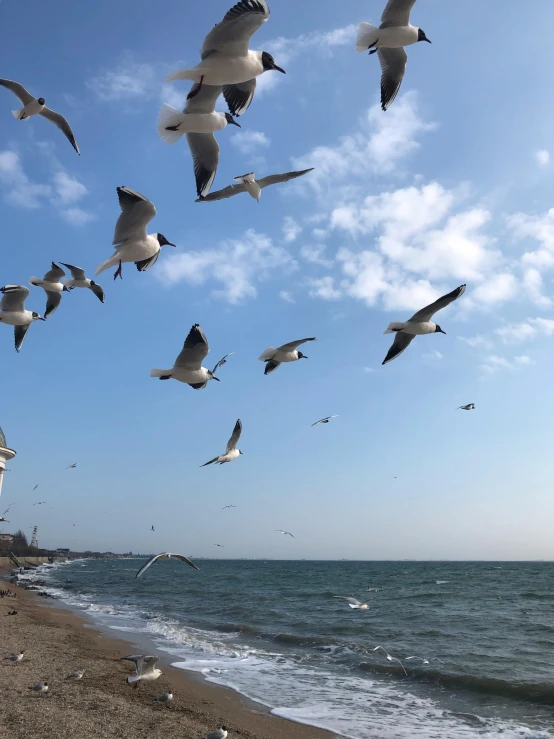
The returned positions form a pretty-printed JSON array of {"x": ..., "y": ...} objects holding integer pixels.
[
  {"x": 34, "y": 540},
  {"x": 5, "y": 455}
]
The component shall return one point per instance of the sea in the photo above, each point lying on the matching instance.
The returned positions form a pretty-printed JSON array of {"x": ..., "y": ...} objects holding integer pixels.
[{"x": 273, "y": 631}]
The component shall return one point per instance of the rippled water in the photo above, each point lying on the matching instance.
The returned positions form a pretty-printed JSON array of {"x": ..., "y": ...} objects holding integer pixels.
[{"x": 273, "y": 631}]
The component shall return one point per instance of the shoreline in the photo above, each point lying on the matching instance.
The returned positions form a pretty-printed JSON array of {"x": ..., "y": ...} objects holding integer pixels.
[{"x": 58, "y": 640}]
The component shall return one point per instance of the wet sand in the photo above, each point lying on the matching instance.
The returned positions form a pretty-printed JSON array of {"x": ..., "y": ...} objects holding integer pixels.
[{"x": 57, "y": 641}]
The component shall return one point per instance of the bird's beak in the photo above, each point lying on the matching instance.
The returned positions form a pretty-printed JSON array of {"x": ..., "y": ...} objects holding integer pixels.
[
  {"x": 235, "y": 123},
  {"x": 278, "y": 69},
  {"x": 304, "y": 356},
  {"x": 429, "y": 42},
  {"x": 170, "y": 244},
  {"x": 40, "y": 318},
  {"x": 216, "y": 378},
  {"x": 442, "y": 332}
]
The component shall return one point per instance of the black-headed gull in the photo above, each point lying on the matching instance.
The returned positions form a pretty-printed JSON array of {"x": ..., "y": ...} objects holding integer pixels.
[
  {"x": 286, "y": 353},
  {"x": 249, "y": 184},
  {"x": 164, "y": 556},
  {"x": 324, "y": 420},
  {"x": 12, "y": 312},
  {"x": 468, "y": 407},
  {"x": 419, "y": 324},
  {"x": 16, "y": 658},
  {"x": 37, "y": 106},
  {"x": 131, "y": 240},
  {"x": 388, "y": 42},
  {"x": 79, "y": 279},
  {"x": 41, "y": 688},
  {"x": 354, "y": 603},
  {"x": 231, "y": 452},
  {"x": 218, "y": 733},
  {"x": 188, "y": 365},
  {"x": 52, "y": 286},
  {"x": 165, "y": 697}
]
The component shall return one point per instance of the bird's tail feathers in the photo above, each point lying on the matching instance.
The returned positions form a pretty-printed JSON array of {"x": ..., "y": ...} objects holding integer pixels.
[
  {"x": 133, "y": 679},
  {"x": 111, "y": 262},
  {"x": 367, "y": 35},
  {"x": 184, "y": 74},
  {"x": 18, "y": 113},
  {"x": 268, "y": 354},
  {"x": 159, "y": 373},
  {"x": 351, "y": 606},
  {"x": 246, "y": 178},
  {"x": 393, "y": 327},
  {"x": 210, "y": 462},
  {"x": 168, "y": 120}
]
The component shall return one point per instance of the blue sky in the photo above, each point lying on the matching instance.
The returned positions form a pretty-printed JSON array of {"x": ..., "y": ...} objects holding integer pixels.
[{"x": 453, "y": 184}]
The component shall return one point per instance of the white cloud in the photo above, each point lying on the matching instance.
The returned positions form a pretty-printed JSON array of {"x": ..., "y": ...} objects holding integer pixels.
[
  {"x": 542, "y": 157},
  {"x": 496, "y": 289},
  {"x": 128, "y": 80},
  {"x": 516, "y": 333},
  {"x": 291, "y": 229},
  {"x": 523, "y": 359},
  {"x": 532, "y": 284},
  {"x": 477, "y": 342},
  {"x": 77, "y": 216},
  {"x": 493, "y": 363},
  {"x": 540, "y": 228},
  {"x": 315, "y": 255},
  {"x": 248, "y": 142},
  {"x": 368, "y": 369},
  {"x": 68, "y": 189},
  {"x": 237, "y": 265},
  {"x": 286, "y": 296},
  {"x": 323, "y": 287},
  {"x": 173, "y": 96},
  {"x": 434, "y": 354}
]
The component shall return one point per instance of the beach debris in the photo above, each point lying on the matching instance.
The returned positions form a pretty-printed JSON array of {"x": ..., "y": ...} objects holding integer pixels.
[
  {"x": 41, "y": 688},
  {"x": 16, "y": 658},
  {"x": 76, "y": 675},
  {"x": 145, "y": 668},
  {"x": 218, "y": 733},
  {"x": 163, "y": 556},
  {"x": 165, "y": 698},
  {"x": 390, "y": 658},
  {"x": 354, "y": 603},
  {"x": 13, "y": 612}
]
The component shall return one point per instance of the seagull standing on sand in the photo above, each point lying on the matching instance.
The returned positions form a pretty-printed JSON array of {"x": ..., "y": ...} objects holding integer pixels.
[
  {"x": 388, "y": 42},
  {"x": 390, "y": 658},
  {"x": 468, "y": 407},
  {"x": 198, "y": 121},
  {"x": 145, "y": 669},
  {"x": 251, "y": 185},
  {"x": 41, "y": 688},
  {"x": 16, "y": 658},
  {"x": 36, "y": 106},
  {"x": 163, "y": 556},
  {"x": 286, "y": 353},
  {"x": 285, "y": 533},
  {"x": 419, "y": 324},
  {"x": 218, "y": 733},
  {"x": 80, "y": 280},
  {"x": 227, "y": 59},
  {"x": 131, "y": 240},
  {"x": 12, "y": 312},
  {"x": 76, "y": 675},
  {"x": 165, "y": 698},
  {"x": 354, "y": 603},
  {"x": 188, "y": 365},
  {"x": 324, "y": 420},
  {"x": 231, "y": 452},
  {"x": 52, "y": 286}
]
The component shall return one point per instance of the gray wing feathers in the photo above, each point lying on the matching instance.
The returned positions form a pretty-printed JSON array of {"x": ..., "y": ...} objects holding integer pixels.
[
  {"x": 205, "y": 99},
  {"x": 19, "y": 333},
  {"x": 425, "y": 314},
  {"x": 136, "y": 213},
  {"x": 184, "y": 559},
  {"x": 393, "y": 66},
  {"x": 205, "y": 156},
  {"x": 59, "y": 121},
  {"x": 400, "y": 343},
  {"x": 397, "y": 13},
  {"x": 238, "y": 97},
  {"x": 294, "y": 344},
  {"x": 195, "y": 349},
  {"x": 52, "y": 302},
  {"x": 233, "y": 441},
  {"x": 76, "y": 272},
  {"x": 18, "y": 90},
  {"x": 143, "y": 568},
  {"x": 55, "y": 274},
  {"x": 227, "y": 192},
  {"x": 237, "y": 27},
  {"x": 275, "y": 179},
  {"x": 13, "y": 298}
]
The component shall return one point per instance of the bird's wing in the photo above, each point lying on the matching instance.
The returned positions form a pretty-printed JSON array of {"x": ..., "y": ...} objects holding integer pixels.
[
  {"x": 238, "y": 97},
  {"x": 19, "y": 333},
  {"x": 397, "y": 13},
  {"x": 425, "y": 314},
  {"x": 294, "y": 344},
  {"x": 393, "y": 66},
  {"x": 150, "y": 562},
  {"x": 59, "y": 121},
  {"x": 221, "y": 362},
  {"x": 235, "y": 436},
  {"x": 18, "y": 90},
  {"x": 232, "y": 35},
  {"x": 98, "y": 291},
  {"x": 227, "y": 192},
  {"x": 76, "y": 272},
  {"x": 271, "y": 366},
  {"x": 351, "y": 601},
  {"x": 147, "y": 663},
  {"x": 52, "y": 302},
  {"x": 55, "y": 274},
  {"x": 136, "y": 213},
  {"x": 401, "y": 342},
  {"x": 205, "y": 156},
  {"x": 194, "y": 350},
  {"x": 184, "y": 559},
  {"x": 289, "y": 534},
  {"x": 274, "y": 179},
  {"x": 323, "y": 419},
  {"x": 204, "y": 99},
  {"x": 13, "y": 298}
]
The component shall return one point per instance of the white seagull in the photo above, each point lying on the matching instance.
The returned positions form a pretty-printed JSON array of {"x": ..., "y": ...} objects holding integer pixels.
[
  {"x": 165, "y": 698},
  {"x": 72, "y": 466},
  {"x": 354, "y": 603},
  {"x": 76, "y": 675},
  {"x": 36, "y": 106},
  {"x": 52, "y": 286},
  {"x": 324, "y": 420},
  {"x": 218, "y": 733},
  {"x": 388, "y": 41},
  {"x": 419, "y": 324},
  {"x": 145, "y": 669},
  {"x": 188, "y": 365},
  {"x": 285, "y": 533},
  {"x": 227, "y": 59},
  {"x": 468, "y": 407},
  {"x": 423, "y": 660},
  {"x": 80, "y": 280},
  {"x": 41, "y": 688},
  {"x": 390, "y": 658},
  {"x": 12, "y": 312},
  {"x": 286, "y": 353},
  {"x": 231, "y": 452},
  {"x": 249, "y": 184},
  {"x": 164, "y": 556},
  {"x": 198, "y": 121},
  {"x": 16, "y": 658},
  {"x": 131, "y": 240},
  {"x": 228, "y": 506}
]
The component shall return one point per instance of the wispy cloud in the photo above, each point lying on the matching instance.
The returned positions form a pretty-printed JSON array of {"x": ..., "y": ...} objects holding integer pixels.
[
  {"x": 127, "y": 80},
  {"x": 323, "y": 287},
  {"x": 494, "y": 363},
  {"x": 286, "y": 296},
  {"x": 542, "y": 157},
  {"x": 248, "y": 141},
  {"x": 291, "y": 229},
  {"x": 515, "y": 333}
]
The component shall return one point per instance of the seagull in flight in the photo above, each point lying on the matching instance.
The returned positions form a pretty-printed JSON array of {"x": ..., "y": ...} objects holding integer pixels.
[
  {"x": 153, "y": 529},
  {"x": 231, "y": 452},
  {"x": 72, "y": 466},
  {"x": 468, "y": 407},
  {"x": 419, "y": 324},
  {"x": 79, "y": 279},
  {"x": 423, "y": 660},
  {"x": 324, "y": 420},
  {"x": 286, "y": 533},
  {"x": 249, "y": 184},
  {"x": 164, "y": 556},
  {"x": 390, "y": 658},
  {"x": 52, "y": 286},
  {"x": 388, "y": 41},
  {"x": 145, "y": 669},
  {"x": 188, "y": 365},
  {"x": 41, "y": 502},
  {"x": 228, "y": 506},
  {"x": 219, "y": 545},
  {"x": 286, "y": 353},
  {"x": 36, "y": 486},
  {"x": 12, "y": 312},
  {"x": 37, "y": 106},
  {"x": 354, "y": 603}
]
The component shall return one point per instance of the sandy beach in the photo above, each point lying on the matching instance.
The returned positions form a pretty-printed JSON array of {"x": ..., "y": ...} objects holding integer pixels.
[{"x": 57, "y": 641}]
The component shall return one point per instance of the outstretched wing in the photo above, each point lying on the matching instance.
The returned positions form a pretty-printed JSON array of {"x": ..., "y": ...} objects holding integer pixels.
[
  {"x": 184, "y": 559},
  {"x": 397, "y": 13},
  {"x": 393, "y": 65},
  {"x": 238, "y": 97},
  {"x": 18, "y": 90},
  {"x": 232, "y": 35},
  {"x": 13, "y": 298},
  {"x": 59, "y": 121},
  {"x": 76, "y": 272},
  {"x": 136, "y": 213},
  {"x": 235, "y": 436},
  {"x": 194, "y": 350},
  {"x": 147, "y": 565},
  {"x": 227, "y": 192},
  {"x": 425, "y": 314},
  {"x": 275, "y": 179},
  {"x": 400, "y": 343},
  {"x": 205, "y": 157},
  {"x": 351, "y": 601},
  {"x": 55, "y": 274},
  {"x": 292, "y": 345}
]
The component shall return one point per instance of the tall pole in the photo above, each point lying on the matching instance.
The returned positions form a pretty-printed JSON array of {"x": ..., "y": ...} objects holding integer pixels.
[{"x": 5, "y": 454}]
